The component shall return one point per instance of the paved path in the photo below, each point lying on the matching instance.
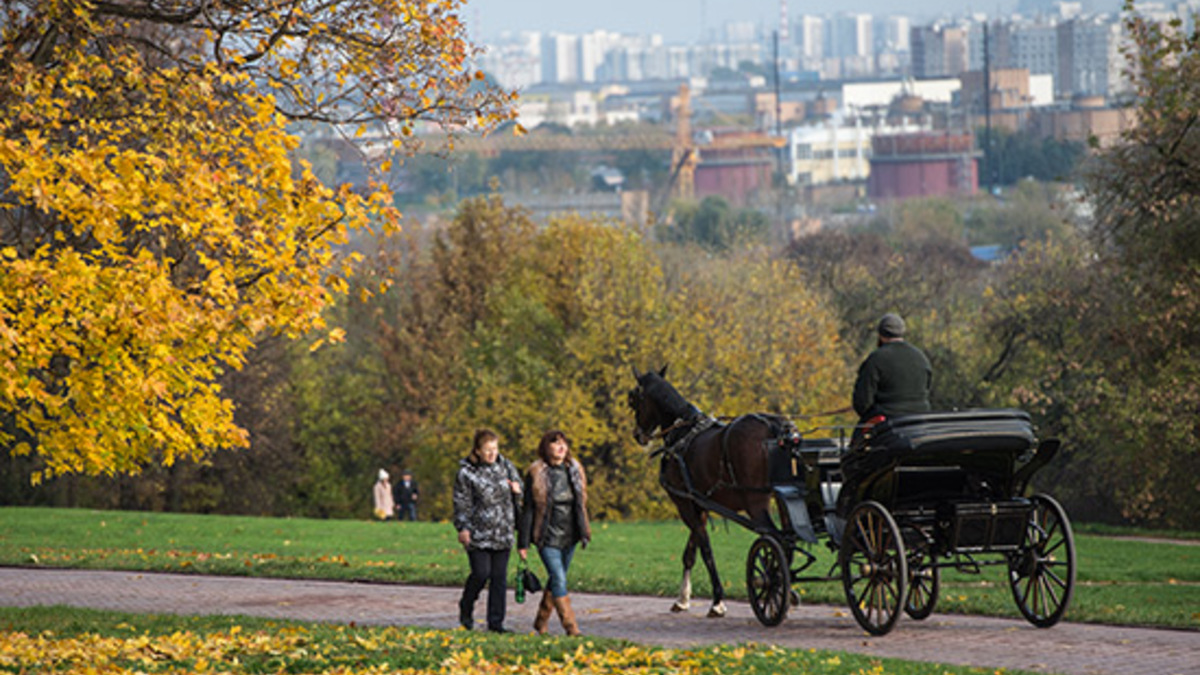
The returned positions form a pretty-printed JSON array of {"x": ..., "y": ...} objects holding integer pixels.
[{"x": 1077, "y": 649}]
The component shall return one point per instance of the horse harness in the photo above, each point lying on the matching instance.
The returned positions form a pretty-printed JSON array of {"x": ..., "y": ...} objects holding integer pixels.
[{"x": 676, "y": 449}]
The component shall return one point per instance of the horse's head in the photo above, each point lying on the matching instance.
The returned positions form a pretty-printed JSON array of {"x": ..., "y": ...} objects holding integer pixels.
[{"x": 655, "y": 404}]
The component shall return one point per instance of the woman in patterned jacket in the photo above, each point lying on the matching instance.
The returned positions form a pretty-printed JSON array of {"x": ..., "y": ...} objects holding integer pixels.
[{"x": 485, "y": 517}]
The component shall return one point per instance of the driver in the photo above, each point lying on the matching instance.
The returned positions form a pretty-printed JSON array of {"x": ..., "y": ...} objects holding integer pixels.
[
  {"x": 894, "y": 380},
  {"x": 896, "y": 377}
]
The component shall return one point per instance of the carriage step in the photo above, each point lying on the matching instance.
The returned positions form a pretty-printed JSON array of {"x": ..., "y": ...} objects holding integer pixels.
[{"x": 790, "y": 499}]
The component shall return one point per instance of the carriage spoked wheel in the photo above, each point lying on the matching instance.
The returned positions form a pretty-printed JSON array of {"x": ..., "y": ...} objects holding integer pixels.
[
  {"x": 768, "y": 581},
  {"x": 1042, "y": 571},
  {"x": 874, "y": 567},
  {"x": 924, "y": 581}
]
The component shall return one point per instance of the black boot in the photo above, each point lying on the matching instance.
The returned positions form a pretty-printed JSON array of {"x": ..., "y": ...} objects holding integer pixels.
[{"x": 466, "y": 612}]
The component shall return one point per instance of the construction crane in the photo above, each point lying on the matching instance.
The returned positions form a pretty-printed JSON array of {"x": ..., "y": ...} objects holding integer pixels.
[{"x": 682, "y": 183}]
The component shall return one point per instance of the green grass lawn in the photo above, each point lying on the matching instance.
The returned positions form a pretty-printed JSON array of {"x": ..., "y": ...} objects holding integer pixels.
[{"x": 1120, "y": 580}]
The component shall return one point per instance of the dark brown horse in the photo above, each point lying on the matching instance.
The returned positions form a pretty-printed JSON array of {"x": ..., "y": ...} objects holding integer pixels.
[{"x": 705, "y": 466}]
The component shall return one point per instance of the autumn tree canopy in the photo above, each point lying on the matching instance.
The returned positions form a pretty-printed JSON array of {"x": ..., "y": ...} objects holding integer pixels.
[{"x": 153, "y": 221}]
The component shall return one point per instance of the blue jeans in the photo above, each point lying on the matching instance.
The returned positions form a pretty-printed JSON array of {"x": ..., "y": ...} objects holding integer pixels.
[{"x": 557, "y": 561}]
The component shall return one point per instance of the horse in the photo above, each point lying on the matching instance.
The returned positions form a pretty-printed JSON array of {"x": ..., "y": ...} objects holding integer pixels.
[{"x": 704, "y": 463}]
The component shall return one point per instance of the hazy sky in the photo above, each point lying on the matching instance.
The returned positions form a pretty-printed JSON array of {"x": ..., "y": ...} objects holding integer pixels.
[
  {"x": 679, "y": 20},
  {"x": 686, "y": 20}
]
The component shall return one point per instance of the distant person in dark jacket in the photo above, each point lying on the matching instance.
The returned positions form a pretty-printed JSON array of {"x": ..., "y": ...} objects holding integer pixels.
[
  {"x": 895, "y": 379},
  {"x": 406, "y": 494},
  {"x": 485, "y": 517}
]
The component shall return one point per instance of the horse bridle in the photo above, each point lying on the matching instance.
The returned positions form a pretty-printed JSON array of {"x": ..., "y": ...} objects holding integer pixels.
[{"x": 638, "y": 395}]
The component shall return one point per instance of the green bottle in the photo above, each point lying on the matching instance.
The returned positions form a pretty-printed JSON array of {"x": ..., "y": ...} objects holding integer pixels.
[{"x": 520, "y": 585}]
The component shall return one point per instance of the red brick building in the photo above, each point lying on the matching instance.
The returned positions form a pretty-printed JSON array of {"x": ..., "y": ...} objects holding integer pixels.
[{"x": 924, "y": 164}]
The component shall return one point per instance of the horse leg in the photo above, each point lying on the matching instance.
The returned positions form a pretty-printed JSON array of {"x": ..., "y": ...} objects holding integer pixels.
[
  {"x": 684, "y": 603},
  {"x": 700, "y": 535},
  {"x": 718, "y": 604},
  {"x": 696, "y": 520}
]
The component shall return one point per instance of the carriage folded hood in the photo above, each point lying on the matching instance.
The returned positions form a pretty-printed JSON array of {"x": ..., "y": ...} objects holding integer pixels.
[{"x": 993, "y": 430}]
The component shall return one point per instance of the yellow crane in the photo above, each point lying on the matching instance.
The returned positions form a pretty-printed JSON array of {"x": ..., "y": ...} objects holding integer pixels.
[{"x": 683, "y": 152}]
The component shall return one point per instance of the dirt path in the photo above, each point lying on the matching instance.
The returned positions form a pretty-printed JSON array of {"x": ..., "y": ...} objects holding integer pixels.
[{"x": 1076, "y": 649}]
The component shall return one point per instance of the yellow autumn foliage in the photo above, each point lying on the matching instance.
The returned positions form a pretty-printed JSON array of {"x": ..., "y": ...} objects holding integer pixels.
[
  {"x": 153, "y": 221},
  {"x": 558, "y": 321}
]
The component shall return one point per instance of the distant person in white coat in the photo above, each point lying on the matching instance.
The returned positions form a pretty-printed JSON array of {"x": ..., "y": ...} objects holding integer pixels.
[{"x": 385, "y": 508}]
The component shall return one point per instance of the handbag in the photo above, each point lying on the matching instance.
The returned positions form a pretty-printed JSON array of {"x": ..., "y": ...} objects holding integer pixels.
[
  {"x": 532, "y": 583},
  {"x": 526, "y": 582}
]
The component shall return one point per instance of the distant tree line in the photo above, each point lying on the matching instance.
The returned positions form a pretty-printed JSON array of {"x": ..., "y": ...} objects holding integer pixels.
[{"x": 1089, "y": 323}]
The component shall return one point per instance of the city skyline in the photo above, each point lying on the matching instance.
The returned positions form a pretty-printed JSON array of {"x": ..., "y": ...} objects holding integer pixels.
[{"x": 681, "y": 21}]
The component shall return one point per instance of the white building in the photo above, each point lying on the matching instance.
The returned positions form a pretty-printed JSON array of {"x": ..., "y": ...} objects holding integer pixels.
[
  {"x": 892, "y": 34},
  {"x": 560, "y": 58},
  {"x": 515, "y": 63},
  {"x": 835, "y": 150},
  {"x": 808, "y": 33}
]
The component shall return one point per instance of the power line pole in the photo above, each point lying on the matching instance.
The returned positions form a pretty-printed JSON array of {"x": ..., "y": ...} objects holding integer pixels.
[{"x": 988, "y": 158}]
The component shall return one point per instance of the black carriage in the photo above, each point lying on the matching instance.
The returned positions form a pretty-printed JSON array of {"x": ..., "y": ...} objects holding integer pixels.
[{"x": 913, "y": 496}]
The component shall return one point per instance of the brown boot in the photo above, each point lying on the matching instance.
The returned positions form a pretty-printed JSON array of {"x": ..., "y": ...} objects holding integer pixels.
[
  {"x": 543, "y": 613},
  {"x": 563, "y": 605}
]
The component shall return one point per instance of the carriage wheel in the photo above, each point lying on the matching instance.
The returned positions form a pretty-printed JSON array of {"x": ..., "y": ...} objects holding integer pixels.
[
  {"x": 924, "y": 580},
  {"x": 1042, "y": 571},
  {"x": 874, "y": 569},
  {"x": 768, "y": 581}
]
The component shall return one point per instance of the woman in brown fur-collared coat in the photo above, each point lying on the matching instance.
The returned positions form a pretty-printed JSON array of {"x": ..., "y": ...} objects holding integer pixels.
[{"x": 555, "y": 519}]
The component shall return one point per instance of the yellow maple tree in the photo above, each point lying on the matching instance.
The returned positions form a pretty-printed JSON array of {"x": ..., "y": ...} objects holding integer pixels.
[{"x": 153, "y": 218}]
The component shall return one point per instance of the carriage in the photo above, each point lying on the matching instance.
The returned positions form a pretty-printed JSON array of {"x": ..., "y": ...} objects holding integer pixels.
[{"x": 897, "y": 502}]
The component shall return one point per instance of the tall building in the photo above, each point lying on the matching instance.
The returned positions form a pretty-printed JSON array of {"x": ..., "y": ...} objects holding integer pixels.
[
  {"x": 1089, "y": 58},
  {"x": 892, "y": 34},
  {"x": 1034, "y": 46},
  {"x": 939, "y": 51},
  {"x": 516, "y": 63},
  {"x": 850, "y": 34},
  {"x": 808, "y": 33},
  {"x": 592, "y": 48},
  {"x": 560, "y": 58}
]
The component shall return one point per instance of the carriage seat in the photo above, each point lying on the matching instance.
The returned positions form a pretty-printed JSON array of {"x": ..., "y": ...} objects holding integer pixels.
[
  {"x": 993, "y": 430},
  {"x": 938, "y": 456}
]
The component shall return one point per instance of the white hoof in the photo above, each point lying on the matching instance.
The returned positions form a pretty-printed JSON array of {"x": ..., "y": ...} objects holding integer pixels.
[
  {"x": 717, "y": 611},
  {"x": 681, "y": 606}
]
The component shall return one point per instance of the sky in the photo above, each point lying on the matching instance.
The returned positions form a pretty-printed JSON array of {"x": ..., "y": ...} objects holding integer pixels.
[{"x": 681, "y": 21}]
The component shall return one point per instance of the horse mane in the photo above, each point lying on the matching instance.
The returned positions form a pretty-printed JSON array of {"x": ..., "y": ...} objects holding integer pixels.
[{"x": 669, "y": 400}]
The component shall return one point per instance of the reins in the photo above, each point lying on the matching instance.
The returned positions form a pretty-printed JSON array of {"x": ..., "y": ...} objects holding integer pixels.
[
  {"x": 661, "y": 433},
  {"x": 797, "y": 416}
]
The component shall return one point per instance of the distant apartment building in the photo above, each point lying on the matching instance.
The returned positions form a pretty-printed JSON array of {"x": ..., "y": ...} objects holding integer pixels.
[
  {"x": 1089, "y": 58},
  {"x": 850, "y": 34},
  {"x": 1034, "y": 47},
  {"x": 939, "y": 50},
  {"x": 893, "y": 34},
  {"x": 808, "y": 32},
  {"x": 516, "y": 62},
  {"x": 560, "y": 58}
]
